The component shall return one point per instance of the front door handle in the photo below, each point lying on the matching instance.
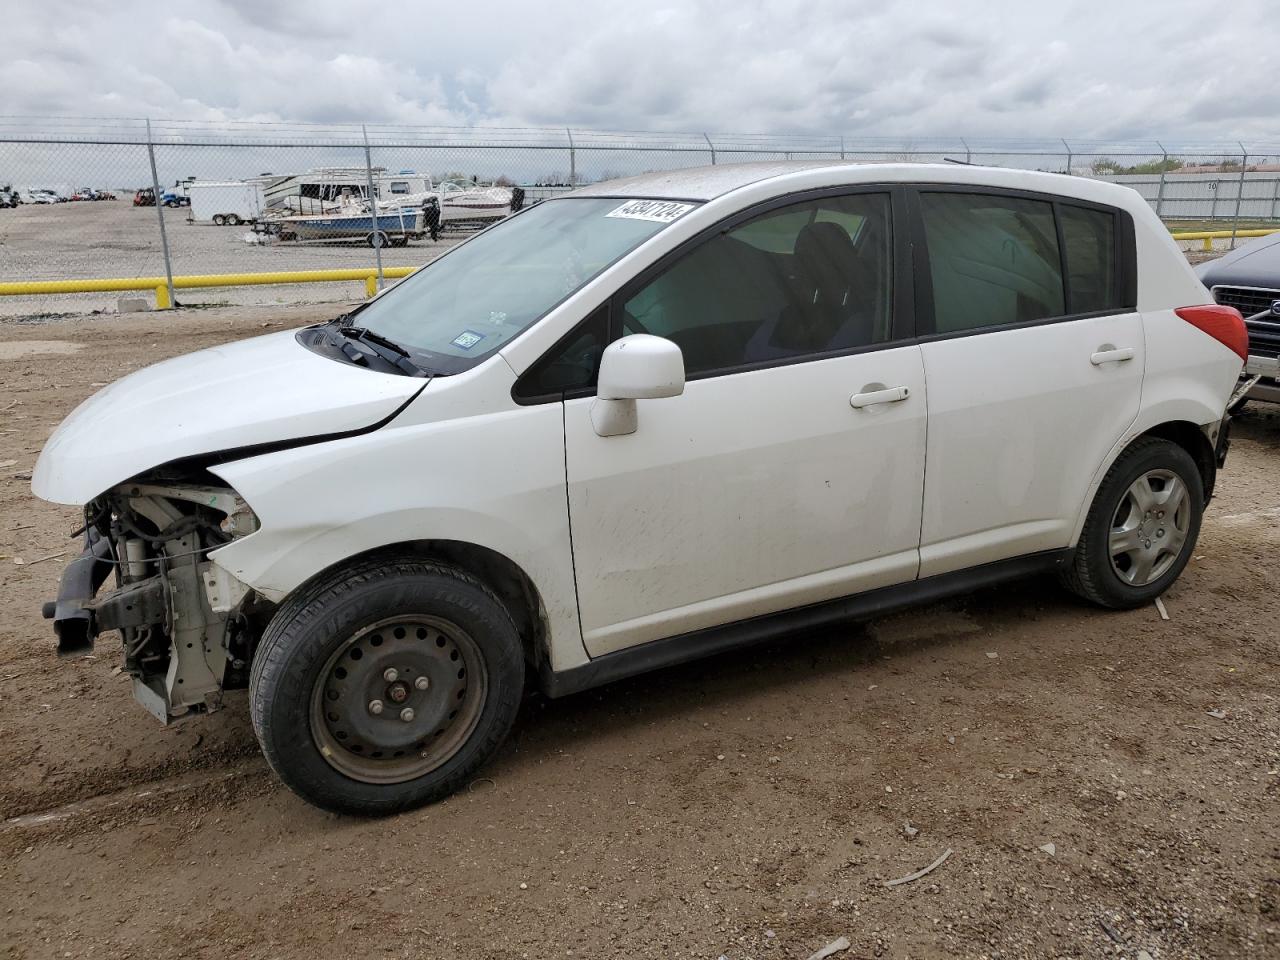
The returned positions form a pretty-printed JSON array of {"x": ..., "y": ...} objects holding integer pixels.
[
  {"x": 888, "y": 395},
  {"x": 1110, "y": 354}
]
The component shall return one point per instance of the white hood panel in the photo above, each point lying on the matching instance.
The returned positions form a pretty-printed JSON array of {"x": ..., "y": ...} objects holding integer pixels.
[{"x": 264, "y": 390}]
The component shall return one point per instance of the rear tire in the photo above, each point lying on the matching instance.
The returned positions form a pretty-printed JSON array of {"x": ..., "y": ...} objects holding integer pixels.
[
  {"x": 219, "y": 220},
  {"x": 1141, "y": 529},
  {"x": 233, "y": 220},
  {"x": 385, "y": 685}
]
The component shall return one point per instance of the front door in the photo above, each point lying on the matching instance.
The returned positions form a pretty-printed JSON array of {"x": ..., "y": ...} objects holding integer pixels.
[{"x": 791, "y": 469}]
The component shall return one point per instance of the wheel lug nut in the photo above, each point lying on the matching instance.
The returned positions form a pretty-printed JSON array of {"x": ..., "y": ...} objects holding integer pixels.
[
  {"x": 375, "y": 707},
  {"x": 422, "y": 683},
  {"x": 1160, "y": 532},
  {"x": 406, "y": 714},
  {"x": 390, "y": 674}
]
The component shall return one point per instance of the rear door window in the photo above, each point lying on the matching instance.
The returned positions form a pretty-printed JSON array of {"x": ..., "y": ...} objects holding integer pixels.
[{"x": 994, "y": 260}]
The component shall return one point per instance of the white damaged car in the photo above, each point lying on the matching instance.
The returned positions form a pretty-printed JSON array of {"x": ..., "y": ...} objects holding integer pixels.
[{"x": 651, "y": 420}]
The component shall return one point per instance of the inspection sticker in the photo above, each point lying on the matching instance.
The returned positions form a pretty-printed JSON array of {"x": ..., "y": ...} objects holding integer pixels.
[
  {"x": 660, "y": 211},
  {"x": 467, "y": 339}
]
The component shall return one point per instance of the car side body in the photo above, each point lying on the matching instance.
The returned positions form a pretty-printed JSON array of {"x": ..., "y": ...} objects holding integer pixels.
[{"x": 624, "y": 530}]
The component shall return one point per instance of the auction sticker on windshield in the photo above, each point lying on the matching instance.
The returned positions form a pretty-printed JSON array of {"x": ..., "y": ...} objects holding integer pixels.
[
  {"x": 467, "y": 339},
  {"x": 660, "y": 211}
]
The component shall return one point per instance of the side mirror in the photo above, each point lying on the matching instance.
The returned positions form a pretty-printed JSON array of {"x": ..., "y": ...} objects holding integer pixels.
[{"x": 638, "y": 367}]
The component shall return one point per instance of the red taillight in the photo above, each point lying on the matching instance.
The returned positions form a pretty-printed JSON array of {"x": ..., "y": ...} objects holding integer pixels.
[{"x": 1224, "y": 324}]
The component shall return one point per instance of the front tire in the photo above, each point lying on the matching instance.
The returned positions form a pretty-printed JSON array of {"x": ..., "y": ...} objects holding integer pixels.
[
  {"x": 386, "y": 685},
  {"x": 1141, "y": 528}
]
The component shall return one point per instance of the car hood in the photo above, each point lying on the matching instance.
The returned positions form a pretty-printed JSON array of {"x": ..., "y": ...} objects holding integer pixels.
[
  {"x": 1254, "y": 264},
  {"x": 266, "y": 390}
]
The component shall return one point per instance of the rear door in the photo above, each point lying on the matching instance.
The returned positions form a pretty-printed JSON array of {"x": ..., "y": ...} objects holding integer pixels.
[{"x": 1034, "y": 358}]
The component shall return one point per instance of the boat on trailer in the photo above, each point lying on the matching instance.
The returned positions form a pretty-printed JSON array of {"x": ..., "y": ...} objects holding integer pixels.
[{"x": 388, "y": 227}]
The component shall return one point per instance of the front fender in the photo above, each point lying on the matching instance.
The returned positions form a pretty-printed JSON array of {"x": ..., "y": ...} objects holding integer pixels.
[{"x": 495, "y": 481}]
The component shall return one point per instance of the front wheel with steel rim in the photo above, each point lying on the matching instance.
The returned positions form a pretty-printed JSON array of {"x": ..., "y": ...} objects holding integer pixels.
[
  {"x": 1141, "y": 527},
  {"x": 385, "y": 685}
]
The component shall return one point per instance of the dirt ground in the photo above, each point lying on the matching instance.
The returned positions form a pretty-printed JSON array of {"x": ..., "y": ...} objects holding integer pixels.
[{"x": 750, "y": 806}]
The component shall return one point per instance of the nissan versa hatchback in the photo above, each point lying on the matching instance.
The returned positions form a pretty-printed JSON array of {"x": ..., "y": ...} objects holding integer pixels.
[{"x": 650, "y": 420}]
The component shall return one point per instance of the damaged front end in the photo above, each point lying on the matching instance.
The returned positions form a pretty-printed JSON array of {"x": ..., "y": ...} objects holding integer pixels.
[{"x": 188, "y": 626}]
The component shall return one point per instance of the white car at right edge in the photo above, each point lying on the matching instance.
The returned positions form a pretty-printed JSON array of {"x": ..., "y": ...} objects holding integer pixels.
[{"x": 650, "y": 420}]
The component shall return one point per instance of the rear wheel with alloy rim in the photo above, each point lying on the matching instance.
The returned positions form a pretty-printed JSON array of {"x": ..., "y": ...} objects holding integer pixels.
[
  {"x": 1150, "y": 527},
  {"x": 385, "y": 685},
  {"x": 1141, "y": 527}
]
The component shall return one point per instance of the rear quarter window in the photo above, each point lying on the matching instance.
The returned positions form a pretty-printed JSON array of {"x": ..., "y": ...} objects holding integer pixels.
[{"x": 1089, "y": 237}]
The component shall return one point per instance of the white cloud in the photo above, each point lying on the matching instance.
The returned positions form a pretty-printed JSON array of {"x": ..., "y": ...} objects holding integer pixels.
[{"x": 1178, "y": 69}]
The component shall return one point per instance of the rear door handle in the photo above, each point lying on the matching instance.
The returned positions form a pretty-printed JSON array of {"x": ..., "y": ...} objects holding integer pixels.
[
  {"x": 1111, "y": 355},
  {"x": 890, "y": 395}
]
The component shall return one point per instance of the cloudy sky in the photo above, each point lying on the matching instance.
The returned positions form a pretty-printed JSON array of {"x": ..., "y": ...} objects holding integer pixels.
[{"x": 1075, "y": 68}]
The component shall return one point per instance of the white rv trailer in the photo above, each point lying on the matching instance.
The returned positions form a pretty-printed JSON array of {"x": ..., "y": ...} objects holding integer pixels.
[{"x": 226, "y": 202}]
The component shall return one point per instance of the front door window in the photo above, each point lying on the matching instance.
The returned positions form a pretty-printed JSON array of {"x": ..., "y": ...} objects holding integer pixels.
[{"x": 804, "y": 280}]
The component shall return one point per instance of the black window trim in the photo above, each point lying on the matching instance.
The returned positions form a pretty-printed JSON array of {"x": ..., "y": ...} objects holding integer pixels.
[
  {"x": 533, "y": 399},
  {"x": 913, "y": 318},
  {"x": 1125, "y": 253}
]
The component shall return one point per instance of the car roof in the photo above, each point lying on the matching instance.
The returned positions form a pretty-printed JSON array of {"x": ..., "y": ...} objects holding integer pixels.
[{"x": 710, "y": 182}]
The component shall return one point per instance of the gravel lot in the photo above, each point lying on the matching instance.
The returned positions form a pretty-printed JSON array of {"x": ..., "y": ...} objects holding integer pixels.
[
  {"x": 116, "y": 239},
  {"x": 750, "y": 806}
]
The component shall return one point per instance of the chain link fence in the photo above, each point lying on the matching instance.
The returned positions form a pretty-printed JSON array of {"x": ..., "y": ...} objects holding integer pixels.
[{"x": 117, "y": 200}]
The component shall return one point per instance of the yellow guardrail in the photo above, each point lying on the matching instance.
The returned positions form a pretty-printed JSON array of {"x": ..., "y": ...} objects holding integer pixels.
[
  {"x": 1208, "y": 236},
  {"x": 161, "y": 286}
]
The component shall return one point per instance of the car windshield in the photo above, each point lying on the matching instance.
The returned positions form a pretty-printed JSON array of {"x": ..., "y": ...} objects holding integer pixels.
[{"x": 459, "y": 309}]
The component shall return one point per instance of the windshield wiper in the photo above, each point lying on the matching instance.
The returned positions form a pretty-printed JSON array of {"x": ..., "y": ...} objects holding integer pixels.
[{"x": 399, "y": 356}]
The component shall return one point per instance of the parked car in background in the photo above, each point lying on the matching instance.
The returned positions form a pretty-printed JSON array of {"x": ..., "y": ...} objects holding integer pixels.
[
  {"x": 9, "y": 197},
  {"x": 651, "y": 420},
  {"x": 1248, "y": 278},
  {"x": 146, "y": 197},
  {"x": 44, "y": 196},
  {"x": 178, "y": 195}
]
